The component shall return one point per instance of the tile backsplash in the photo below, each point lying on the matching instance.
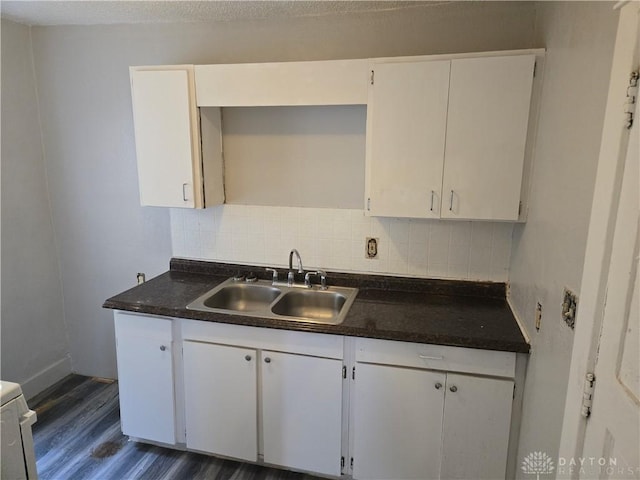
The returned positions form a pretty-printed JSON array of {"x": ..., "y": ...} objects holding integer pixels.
[{"x": 335, "y": 239}]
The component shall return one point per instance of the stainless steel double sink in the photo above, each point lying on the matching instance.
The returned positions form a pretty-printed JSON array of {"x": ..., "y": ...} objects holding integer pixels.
[{"x": 278, "y": 301}]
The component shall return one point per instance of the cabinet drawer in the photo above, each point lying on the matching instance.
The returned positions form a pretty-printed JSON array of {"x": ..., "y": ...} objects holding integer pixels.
[
  {"x": 313, "y": 344},
  {"x": 144, "y": 326},
  {"x": 436, "y": 357}
]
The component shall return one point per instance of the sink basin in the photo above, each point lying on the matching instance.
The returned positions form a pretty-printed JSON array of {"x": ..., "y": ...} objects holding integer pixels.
[
  {"x": 243, "y": 297},
  {"x": 281, "y": 301},
  {"x": 319, "y": 305}
]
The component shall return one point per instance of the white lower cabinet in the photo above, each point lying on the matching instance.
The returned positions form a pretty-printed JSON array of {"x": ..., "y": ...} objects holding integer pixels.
[
  {"x": 220, "y": 388},
  {"x": 413, "y": 419},
  {"x": 302, "y": 411},
  {"x": 264, "y": 395},
  {"x": 475, "y": 433},
  {"x": 415, "y": 411},
  {"x": 301, "y": 406},
  {"x": 397, "y": 417},
  {"x": 145, "y": 377}
]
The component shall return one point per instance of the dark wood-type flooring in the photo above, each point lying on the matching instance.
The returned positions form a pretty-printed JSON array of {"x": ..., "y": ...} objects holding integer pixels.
[{"x": 77, "y": 436}]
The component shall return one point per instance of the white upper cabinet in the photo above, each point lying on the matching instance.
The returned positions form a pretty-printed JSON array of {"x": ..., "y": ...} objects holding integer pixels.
[
  {"x": 167, "y": 131},
  {"x": 446, "y": 138},
  {"x": 487, "y": 122},
  {"x": 406, "y": 130},
  {"x": 333, "y": 82}
]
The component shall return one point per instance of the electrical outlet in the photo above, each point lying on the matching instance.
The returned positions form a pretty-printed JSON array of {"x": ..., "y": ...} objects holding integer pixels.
[
  {"x": 371, "y": 247},
  {"x": 569, "y": 307},
  {"x": 538, "y": 316}
]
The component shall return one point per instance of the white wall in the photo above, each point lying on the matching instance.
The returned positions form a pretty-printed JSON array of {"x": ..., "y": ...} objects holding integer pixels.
[
  {"x": 104, "y": 236},
  {"x": 548, "y": 251},
  {"x": 303, "y": 156},
  {"x": 35, "y": 347}
]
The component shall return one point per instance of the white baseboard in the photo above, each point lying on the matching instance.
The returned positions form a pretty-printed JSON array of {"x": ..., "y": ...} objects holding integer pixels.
[{"x": 46, "y": 377}]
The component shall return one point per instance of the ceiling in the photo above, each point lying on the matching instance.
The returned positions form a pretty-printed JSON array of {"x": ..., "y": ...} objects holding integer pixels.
[{"x": 79, "y": 12}]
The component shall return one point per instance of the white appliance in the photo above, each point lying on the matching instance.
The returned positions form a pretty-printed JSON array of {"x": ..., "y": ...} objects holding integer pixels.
[{"x": 18, "y": 457}]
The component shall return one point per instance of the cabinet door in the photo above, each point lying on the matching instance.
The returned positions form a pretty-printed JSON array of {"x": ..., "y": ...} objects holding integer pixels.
[
  {"x": 397, "y": 423},
  {"x": 406, "y": 118},
  {"x": 487, "y": 124},
  {"x": 163, "y": 113},
  {"x": 302, "y": 412},
  {"x": 220, "y": 385},
  {"x": 477, "y": 419},
  {"x": 145, "y": 377}
]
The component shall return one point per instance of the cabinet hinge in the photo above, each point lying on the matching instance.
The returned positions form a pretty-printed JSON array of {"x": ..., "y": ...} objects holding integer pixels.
[
  {"x": 514, "y": 391},
  {"x": 520, "y": 209},
  {"x": 368, "y": 203},
  {"x": 341, "y": 463},
  {"x": 587, "y": 395},
  {"x": 351, "y": 463},
  {"x": 344, "y": 371},
  {"x": 535, "y": 67},
  {"x": 353, "y": 373},
  {"x": 372, "y": 75},
  {"x": 632, "y": 95}
]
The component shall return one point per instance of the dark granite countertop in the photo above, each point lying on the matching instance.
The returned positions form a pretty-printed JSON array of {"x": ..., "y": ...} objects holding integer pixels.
[{"x": 444, "y": 312}]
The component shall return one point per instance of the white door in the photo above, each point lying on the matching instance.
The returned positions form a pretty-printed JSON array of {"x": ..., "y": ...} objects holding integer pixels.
[
  {"x": 406, "y": 117},
  {"x": 397, "y": 423},
  {"x": 477, "y": 421},
  {"x": 489, "y": 99},
  {"x": 163, "y": 130},
  {"x": 606, "y": 333},
  {"x": 613, "y": 430},
  {"x": 302, "y": 412},
  {"x": 145, "y": 377},
  {"x": 220, "y": 384}
]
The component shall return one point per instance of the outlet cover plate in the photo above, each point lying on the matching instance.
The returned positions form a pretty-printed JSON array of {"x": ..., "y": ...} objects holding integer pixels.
[{"x": 371, "y": 247}]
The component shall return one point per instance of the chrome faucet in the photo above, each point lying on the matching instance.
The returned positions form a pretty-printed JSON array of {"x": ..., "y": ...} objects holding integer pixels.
[{"x": 291, "y": 275}]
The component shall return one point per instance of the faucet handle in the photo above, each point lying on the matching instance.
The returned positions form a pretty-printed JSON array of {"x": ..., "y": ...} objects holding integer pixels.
[
  {"x": 274, "y": 274},
  {"x": 323, "y": 279},
  {"x": 307, "y": 278}
]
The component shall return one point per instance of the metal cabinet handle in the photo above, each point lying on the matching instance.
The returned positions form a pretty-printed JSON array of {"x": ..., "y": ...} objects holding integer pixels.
[
  {"x": 431, "y": 357},
  {"x": 184, "y": 191},
  {"x": 451, "y": 202},
  {"x": 163, "y": 348},
  {"x": 432, "y": 195},
  {"x": 247, "y": 358},
  {"x": 453, "y": 388},
  {"x": 267, "y": 360},
  {"x": 438, "y": 386}
]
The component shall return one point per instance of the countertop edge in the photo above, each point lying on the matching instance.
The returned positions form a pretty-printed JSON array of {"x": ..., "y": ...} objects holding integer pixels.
[{"x": 452, "y": 340}]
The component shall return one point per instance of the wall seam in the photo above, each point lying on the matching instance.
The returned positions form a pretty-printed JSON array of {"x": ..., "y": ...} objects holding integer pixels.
[{"x": 56, "y": 243}]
